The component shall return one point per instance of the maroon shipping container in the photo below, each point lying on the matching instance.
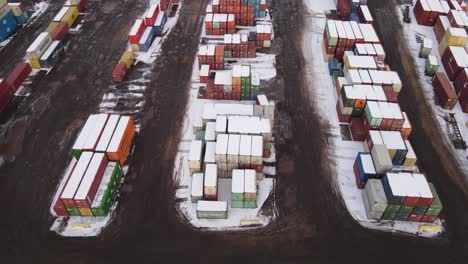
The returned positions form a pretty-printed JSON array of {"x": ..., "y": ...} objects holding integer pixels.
[
  {"x": 6, "y": 93},
  {"x": 59, "y": 207},
  {"x": 454, "y": 60},
  {"x": 440, "y": 27},
  {"x": 453, "y": 21},
  {"x": 18, "y": 75},
  {"x": 444, "y": 91},
  {"x": 119, "y": 72},
  {"x": 60, "y": 31},
  {"x": 87, "y": 201},
  {"x": 422, "y": 12},
  {"x": 428, "y": 218},
  {"x": 359, "y": 183},
  {"x": 411, "y": 201},
  {"x": 343, "y": 9},
  {"x": 461, "y": 82},
  {"x": 415, "y": 218},
  {"x": 328, "y": 48},
  {"x": 341, "y": 117},
  {"x": 392, "y": 96},
  {"x": 358, "y": 130},
  {"x": 464, "y": 100}
]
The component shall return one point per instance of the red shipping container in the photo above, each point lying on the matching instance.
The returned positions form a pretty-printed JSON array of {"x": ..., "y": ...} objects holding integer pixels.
[
  {"x": 60, "y": 31},
  {"x": 6, "y": 93},
  {"x": 415, "y": 218},
  {"x": 444, "y": 91},
  {"x": 59, "y": 207},
  {"x": 329, "y": 49},
  {"x": 428, "y": 218},
  {"x": 440, "y": 27},
  {"x": 464, "y": 100},
  {"x": 360, "y": 184},
  {"x": 392, "y": 96},
  {"x": 454, "y": 60},
  {"x": 136, "y": 31},
  {"x": 461, "y": 82},
  {"x": 151, "y": 15},
  {"x": 341, "y": 117},
  {"x": 411, "y": 201},
  {"x": 90, "y": 187},
  {"x": 343, "y": 9},
  {"x": 358, "y": 130},
  {"x": 119, "y": 72},
  {"x": 422, "y": 12},
  {"x": 16, "y": 78}
]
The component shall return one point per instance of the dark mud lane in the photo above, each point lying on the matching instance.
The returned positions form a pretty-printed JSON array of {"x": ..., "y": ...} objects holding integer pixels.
[{"x": 313, "y": 225}]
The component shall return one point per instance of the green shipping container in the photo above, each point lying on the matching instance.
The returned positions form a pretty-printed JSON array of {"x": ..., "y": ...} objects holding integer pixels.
[
  {"x": 337, "y": 74},
  {"x": 237, "y": 204},
  {"x": 388, "y": 216},
  {"x": 432, "y": 65},
  {"x": 436, "y": 207},
  {"x": 250, "y": 204},
  {"x": 215, "y": 24},
  {"x": 255, "y": 89},
  {"x": 228, "y": 54},
  {"x": 245, "y": 81},
  {"x": 200, "y": 135},
  {"x": 392, "y": 208},
  {"x": 76, "y": 153},
  {"x": 237, "y": 196},
  {"x": 357, "y": 112},
  {"x": 406, "y": 209},
  {"x": 266, "y": 145},
  {"x": 73, "y": 211},
  {"x": 107, "y": 189}
]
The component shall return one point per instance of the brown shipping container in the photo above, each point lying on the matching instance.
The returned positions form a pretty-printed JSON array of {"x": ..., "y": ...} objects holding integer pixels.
[
  {"x": 464, "y": 100},
  {"x": 444, "y": 91},
  {"x": 86, "y": 203},
  {"x": 461, "y": 82},
  {"x": 422, "y": 12},
  {"x": 18, "y": 75},
  {"x": 453, "y": 60},
  {"x": 60, "y": 31},
  {"x": 118, "y": 74}
]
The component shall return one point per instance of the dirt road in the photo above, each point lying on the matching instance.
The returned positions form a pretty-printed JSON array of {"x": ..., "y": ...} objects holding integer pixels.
[{"x": 312, "y": 227}]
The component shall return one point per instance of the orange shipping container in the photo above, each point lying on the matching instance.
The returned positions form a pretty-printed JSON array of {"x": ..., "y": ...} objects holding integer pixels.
[
  {"x": 407, "y": 128},
  {"x": 121, "y": 141}
]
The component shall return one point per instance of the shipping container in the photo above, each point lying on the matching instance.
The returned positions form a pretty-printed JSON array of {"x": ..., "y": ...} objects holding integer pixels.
[
  {"x": 197, "y": 187},
  {"x": 407, "y": 128},
  {"x": 233, "y": 149},
  {"x": 77, "y": 148},
  {"x": 119, "y": 72},
  {"x": 210, "y": 131},
  {"x": 210, "y": 182},
  {"x": 237, "y": 188},
  {"x": 222, "y": 141},
  {"x": 160, "y": 23},
  {"x": 136, "y": 31},
  {"x": 245, "y": 149},
  {"x": 395, "y": 187},
  {"x": 426, "y": 197},
  {"x": 16, "y": 78},
  {"x": 435, "y": 207},
  {"x": 70, "y": 15},
  {"x": 395, "y": 145},
  {"x": 250, "y": 185},
  {"x": 444, "y": 91},
  {"x": 119, "y": 146},
  {"x": 75, "y": 180},
  {"x": 60, "y": 31},
  {"x": 90, "y": 183},
  {"x": 146, "y": 39},
  {"x": 212, "y": 210},
  {"x": 51, "y": 55},
  {"x": 441, "y": 25},
  {"x": 151, "y": 15},
  {"x": 363, "y": 169},
  {"x": 374, "y": 198},
  {"x": 257, "y": 151},
  {"x": 455, "y": 60},
  {"x": 107, "y": 189},
  {"x": 59, "y": 207},
  {"x": 461, "y": 82},
  {"x": 410, "y": 159},
  {"x": 127, "y": 59},
  {"x": 453, "y": 37},
  {"x": 431, "y": 65},
  {"x": 210, "y": 156},
  {"x": 195, "y": 156},
  {"x": 381, "y": 158},
  {"x": 39, "y": 46}
]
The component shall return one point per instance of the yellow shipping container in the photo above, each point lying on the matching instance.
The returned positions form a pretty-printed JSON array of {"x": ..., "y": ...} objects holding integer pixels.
[
  {"x": 35, "y": 63},
  {"x": 409, "y": 162},
  {"x": 392, "y": 153},
  {"x": 236, "y": 81},
  {"x": 52, "y": 26},
  {"x": 85, "y": 212},
  {"x": 135, "y": 48},
  {"x": 453, "y": 37},
  {"x": 70, "y": 16},
  {"x": 127, "y": 59},
  {"x": 326, "y": 56}
]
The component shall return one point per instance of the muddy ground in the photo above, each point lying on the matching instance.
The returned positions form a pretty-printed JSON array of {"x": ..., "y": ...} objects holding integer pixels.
[{"x": 313, "y": 225}]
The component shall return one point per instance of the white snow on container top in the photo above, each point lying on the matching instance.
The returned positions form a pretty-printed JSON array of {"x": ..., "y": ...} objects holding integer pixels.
[
  {"x": 237, "y": 71},
  {"x": 257, "y": 146},
  {"x": 354, "y": 77},
  {"x": 227, "y": 38},
  {"x": 361, "y": 49},
  {"x": 210, "y": 152},
  {"x": 267, "y": 29},
  {"x": 368, "y": 91},
  {"x": 375, "y": 137},
  {"x": 393, "y": 140},
  {"x": 50, "y": 49},
  {"x": 370, "y": 49},
  {"x": 435, "y": 6},
  {"x": 195, "y": 150},
  {"x": 385, "y": 110},
  {"x": 107, "y": 133},
  {"x": 245, "y": 71},
  {"x": 374, "y": 109},
  {"x": 222, "y": 144},
  {"x": 215, "y": 2},
  {"x": 411, "y": 186},
  {"x": 95, "y": 132},
  {"x": 262, "y": 100},
  {"x": 460, "y": 55},
  {"x": 78, "y": 173},
  {"x": 260, "y": 29},
  {"x": 210, "y": 133},
  {"x": 233, "y": 145},
  {"x": 366, "y": 13},
  {"x": 458, "y": 32},
  {"x": 118, "y": 134},
  {"x": 365, "y": 77},
  {"x": 427, "y": 43},
  {"x": 151, "y": 10},
  {"x": 159, "y": 19},
  {"x": 60, "y": 14},
  {"x": 231, "y": 18},
  {"x": 223, "y": 17},
  {"x": 340, "y": 29},
  {"x": 458, "y": 19},
  {"x": 379, "y": 92},
  {"x": 146, "y": 35},
  {"x": 212, "y": 206},
  {"x": 234, "y": 109},
  {"x": 223, "y": 77},
  {"x": 250, "y": 181},
  {"x": 245, "y": 145},
  {"x": 211, "y": 175},
  {"x": 211, "y": 50},
  {"x": 369, "y": 33},
  {"x": 85, "y": 132},
  {"x": 197, "y": 184},
  {"x": 396, "y": 110},
  {"x": 236, "y": 38},
  {"x": 455, "y": 4},
  {"x": 349, "y": 30},
  {"x": 265, "y": 126},
  {"x": 244, "y": 38},
  {"x": 407, "y": 123},
  {"x": 425, "y": 5},
  {"x": 379, "y": 49},
  {"x": 202, "y": 50},
  {"x": 356, "y": 30},
  {"x": 89, "y": 176},
  {"x": 445, "y": 6},
  {"x": 422, "y": 185},
  {"x": 445, "y": 22},
  {"x": 38, "y": 42},
  {"x": 411, "y": 154},
  {"x": 367, "y": 164},
  {"x": 238, "y": 181},
  {"x": 135, "y": 27},
  {"x": 221, "y": 124},
  {"x": 464, "y": 17},
  {"x": 205, "y": 70},
  {"x": 362, "y": 62},
  {"x": 331, "y": 27},
  {"x": 397, "y": 183},
  {"x": 255, "y": 79}
]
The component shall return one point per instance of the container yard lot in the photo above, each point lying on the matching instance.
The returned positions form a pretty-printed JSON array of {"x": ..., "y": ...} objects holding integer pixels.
[{"x": 313, "y": 223}]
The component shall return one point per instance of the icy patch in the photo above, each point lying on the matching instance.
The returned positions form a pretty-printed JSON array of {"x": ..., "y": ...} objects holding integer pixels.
[
  {"x": 263, "y": 64},
  {"x": 322, "y": 93},
  {"x": 38, "y": 9}
]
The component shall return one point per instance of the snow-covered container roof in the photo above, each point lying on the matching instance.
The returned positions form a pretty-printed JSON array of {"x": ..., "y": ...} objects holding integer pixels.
[
  {"x": 222, "y": 141},
  {"x": 245, "y": 145},
  {"x": 257, "y": 146},
  {"x": 233, "y": 145},
  {"x": 78, "y": 173},
  {"x": 221, "y": 123},
  {"x": 210, "y": 152},
  {"x": 422, "y": 185},
  {"x": 223, "y": 77},
  {"x": 197, "y": 184},
  {"x": 250, "y": 181},
  {"x": 211, "y": 175},
  {"x": 212, "y": 206},
  {"x": 238, "y": 181},
  {"x": 393, "y": 140},
  {"x": 118, "y": 134},
  {"x": 89, "y": 176},
  {"x": 196, "y": 148},
  {"x": 210, "y": 131},
  {"x": 376, "y": 137},
  {"x": 367, "y": 163}
]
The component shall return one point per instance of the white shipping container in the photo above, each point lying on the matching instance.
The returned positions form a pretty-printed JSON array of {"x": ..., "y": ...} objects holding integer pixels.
[
  {"x": 371, "y": 214},
  {"x": 211, "y": 177},
  {"x": 221, "y": 124},
  {"x": 89, "y": 176},
  {"x": 195, "y": 154},
  {"x": 95, "y": 133},
  {"x": 85, "y": 132},
  {"x": 257, "y": 150},
  {"x": 222, "y": 147},
  {"x": 238, "y": 181},
  {"x": 118, "y": 134},
  {"x": 77, "y": 175},
  {"x": 245, "y": 150},
  {"x": 210, "y": 151},
  {"x": 250, "y": 182},
  {"x": 107, "y": 133},
  {"x": 210, "y": 132},
  {"x": 39, "y": 46},
  {"x": 233, "y": 149},
  {"x": 265, "y": 126},
  {"x": 212, "y": 209},
  {"x": 197, "y": 187},
  {"x": 353, "y": 77},
  {"x": 381, "y": 158},
  {"x": 376, "y": 195},
  {"x": 422, "y": 186},
  {"x": 60, "y": 14}
]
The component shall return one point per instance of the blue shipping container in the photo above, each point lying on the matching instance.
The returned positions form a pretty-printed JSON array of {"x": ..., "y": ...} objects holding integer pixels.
[
  {"x": 391, "y": 198},
  {"x": 354, "y": 17},
  {"x": 7, "y": 26},
  {"x": 51, "y": 55},
  {"x": 146, "y": 39},
  {"x": 333, "y": 65},
  {"x": 22, "y": 19},
  {"x": 368, "y": 171},
  {"x": 159, "y": 24}
]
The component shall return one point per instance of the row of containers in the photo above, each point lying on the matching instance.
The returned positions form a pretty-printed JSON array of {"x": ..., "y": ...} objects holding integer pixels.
[
  {"x": 95, "y": 173},
  {"x": 368, "y": 100},
  {"x": 244, "y": 11},
  {"x": 140, "y": 38},
  {"x": 45, "y": 50},
  {"x": 12, "y": 15},
  {"x": 10, "y": 85},
  {"x": 450, "y": 31}
]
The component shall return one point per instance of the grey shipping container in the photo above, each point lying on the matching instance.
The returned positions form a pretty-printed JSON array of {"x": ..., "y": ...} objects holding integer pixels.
[
  {"x": 212, "y": 209},
  {"x": 376, "y": 194},
  {"x": 369, "y": 212},
  {"x": 381, "y": 158}
]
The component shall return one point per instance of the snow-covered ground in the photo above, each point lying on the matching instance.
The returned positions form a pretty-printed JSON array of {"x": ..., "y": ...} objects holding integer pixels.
[
  {"x": 413, "y": 32},
  {"x": 323, "y": 95},
  {"x": 131, "y": 94}
]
